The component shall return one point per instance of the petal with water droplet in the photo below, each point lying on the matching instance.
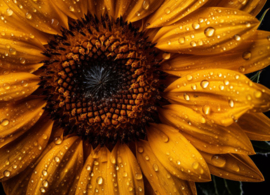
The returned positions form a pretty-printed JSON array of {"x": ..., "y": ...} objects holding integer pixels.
[
  {"x": 177, "y": 149},
  {"x": 15, "y": 86},
  {"x": 203, "y": 134},
  {"x": 251, "y": 55},
  {"x": 256, "y": 126},
  {"x": 172, "y": 11},
  {"x": 25, "y": 149},
  {"x": 162, "y": 181},
  {"x": 60, "y": 172},
  {"x": 214, "y": 36},
  {"x": 237, "y": 167},
  {"x": 226, "y": 95},
  {"x": 250, "y": 6}
]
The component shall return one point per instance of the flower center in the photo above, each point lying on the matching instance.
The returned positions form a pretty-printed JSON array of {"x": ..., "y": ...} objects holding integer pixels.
[{"x": 101, "y": 80}]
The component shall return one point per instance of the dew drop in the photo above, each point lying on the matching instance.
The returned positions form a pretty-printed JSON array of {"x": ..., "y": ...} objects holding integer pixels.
[
  {"x": 22, "y": 60},
  {"x": 145, "y": 4},
  {"x": 44, "y": 173},
  {"x": 218, "y": 160},
  {"x": 5, "y": 122},
  {"x": 196, "y": 25},
  {"x": 182, "y": 40},
  {"x": 237, "y": 37},
  {"x": 178, "y": 162},
  {"x": 99, "y": 180},
  {"x": 42, "y": 190},
  {"x": 6, "y": 173},
  {"x": 130, "y": 189},
  {"x": 57, "y": 159},
  {"x": 167, "y": 10},
  {"x": 246, "y": 55},
  {"x": 231, "y": 103},
  {"x": 165, "y": 138},
  {"x": 242, "y": 69},
  {"x": 226, "y": 82},
  {"x": 204, "y": 84},
  {"x": 44, "y": 136},
  {"x": 45, "y": 183},
  {"x": 57, "y": 140},
  {"x": 189, "y": 77},
  {"x": 235, "y": 167},
  {"x": 209, "y": 32},
  {"x": 28, "y": 16},
  {"x": 88, "y": 168},
  {"x": 9, "y": 12},
  {"x": 206, "y": 109},
  {"x": 147, "y": 158},
  {"x": 140, "y": 149},
  {"x": 258, "y": 94},
  {"x": 195, "y": 165},
  {"x": 186, "y": 97},
  {"x": 166, "y": 56},
  {"x": 155, "y": 167},
  {"x": 71, "y": 9},
  {"x": 193, "y": 43},
  {"x": 138, "y": 176}
]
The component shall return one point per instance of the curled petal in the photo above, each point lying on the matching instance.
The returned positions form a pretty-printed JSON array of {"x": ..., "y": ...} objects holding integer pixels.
[
  {"x": 219, "y": 95},
  {"x": 143, "y": 8},
  {"x": 73, "y": 9},
  {"x": 161, "y": 180},
  {"x": 18, "y": 158},
  {"x": 16, "y": 118},
  {"x": 203, "y": 134},
  {"x": 41, "y": 15},
  {"x": 236, "y": 167},
  {"x": 252, "y": 55},
  {"x": 175, "y": 152},
  {"x": 57, "y": 167},
  {"x": 172, "y": 11},
  {"x": 16, "y": 86},
  {"x": 256, "y": 126},
  {"x": 207, "y": 31},
  {"x": 250, "y": 6}
]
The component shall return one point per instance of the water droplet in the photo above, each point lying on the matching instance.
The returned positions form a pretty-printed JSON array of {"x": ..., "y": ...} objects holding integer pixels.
[
  {"x": 166, "y": 56},
  {"x": 130, "y": 189},
  {"x": 88, "y": 168},
  {"x": 42, "y": 190},
  {"x": 5, "y": 122},
  {"x": 258, "y": 94},
  {"x": 147, "y": 158},
  {"x": 45, "y": 183},
  {"x": 231, "y": 103},
  {"x": 71, "y": 9},
  {"x": 145, "y": 4},
  {"x": 44, "y": 136},
  {"x": 125, "y": 174},
  {"x": 182, "y": 40},
  {"x": 99, "y": 180},
  {"x": 169, "y": 43},
  {"x": 28, "y": 16},
  {"x": 189, "y": 77},
  {"x": 178, "y": 162},
  {"x": 246, "y": 55},
  {"x": 193, "y": 43},
  {"x": 6, "y": 173},
  {"x": 138, "y": 14},
  {"x": 138, "y": 176},
  {"x": 44, "y": 173},
  {"x": 204, "y": 84},
  {"x": 167, "y": 10},
  {"x": 218, "y": 160},
  {"x": 165, "y": 138},
  {"x": 226, "y": 82},
  {"x": 57, "y": 140},
  {"x": 57, "y": 159},
  {"x": 242, "y": 69},
  {"x": 155, "y": 167},
  {"x": 235, "y": 167},
  {"x": 209, "y": 32},
  {"x": 140, "y": 189},
  {"x": 9, "y": 12},
  {"x": 268, "y": 38},
  {"x": 22, "y": 60},
  {"x": 96, "y": 163},
  {"x": 196, "y": 25},
  {"x": 140, "y": 149},
  {"x": 195, "y": 165},
  {"x": 206, "y": 109},
  {"x": 237, "y": 37},
  {"x": 186, "y": 97}
]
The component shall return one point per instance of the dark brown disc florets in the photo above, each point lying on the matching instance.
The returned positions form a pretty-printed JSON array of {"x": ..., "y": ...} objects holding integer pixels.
[{"x": 101, "y": 80}]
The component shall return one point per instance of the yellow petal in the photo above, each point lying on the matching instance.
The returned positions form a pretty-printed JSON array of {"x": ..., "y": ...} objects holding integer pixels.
[
  {"x": 16, "y": 118},
  {"x": 121, "y": 7},
  {"x": 208, "y": 31},
  {"x": 172, "y": 11},
  {"x": 142, "y": 8},
  {"x": 73, "y": 9},
  {"x": 129, "y": 175},
  {"x": 250, "y": 6},
  {"x": 102, "y": 172},
  {"x": 57, "y": 168},
  {"x": 219, "y": 95},
  {"x": 23, "y": 151},
  {"x": 16, "y": 86},
  {"x": 18, "y": 184},
  {"x": 41, "y": 15},
  {"x": 203, "y": 134},
  {"x": 252, "y": 55},
  {"x": 109, "y": 4},
  {"x": 236, "y": 167},
  {"x": 97, "y": 8},
  {"x": 175, "y": 153},
  {"x": 161, "y": 180},
  {"x": 256, "y": 126}
]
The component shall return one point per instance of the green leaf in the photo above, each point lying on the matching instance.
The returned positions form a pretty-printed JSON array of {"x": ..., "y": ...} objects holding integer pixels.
[
  {"x": 220, "y": 186},
  {"x": 261, "y": 147}
]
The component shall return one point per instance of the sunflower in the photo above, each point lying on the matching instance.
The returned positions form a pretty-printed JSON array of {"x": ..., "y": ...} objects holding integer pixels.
[{"x": 129, "y": 96}]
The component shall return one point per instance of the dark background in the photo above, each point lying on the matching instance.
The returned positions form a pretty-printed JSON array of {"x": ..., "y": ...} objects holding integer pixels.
[{"x": 262, "y": 161}]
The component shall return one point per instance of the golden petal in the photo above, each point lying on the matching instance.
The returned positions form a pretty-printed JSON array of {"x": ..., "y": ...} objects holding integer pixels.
[
  {"x": 129, "y": 175},
  {"x": 172, "y": 11},
  {"x": 16, "y": 118},
  {"x": 252, "y": 7},
  {"x": 218, "y": 94},
  {"x": 256, "y": 126},
  {"x": 245, "y": 58},
  {"x": 99, "y": 168},
  {"x": 142, "y": 9},
  {"x": 97, "y": 8},
  {"x": 161, "y": 180},
  {"x": 59, "y": 166},
  {"x": 121, "y": 7},
  {"x": 203, "y": 134},
  {"x": 175, "y": 153},
  {"x": 110, "y": 4},
  {"x": 24, "y": 150},
  {"x": 41, "y": 15},
  {"x": 235, "y": 167},
  {"x": 208, "y": 31},
  {"x": 15, "y": 86}
]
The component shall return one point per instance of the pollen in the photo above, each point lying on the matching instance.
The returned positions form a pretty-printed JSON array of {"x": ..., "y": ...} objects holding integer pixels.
[{"x": 101, "y": 80}]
